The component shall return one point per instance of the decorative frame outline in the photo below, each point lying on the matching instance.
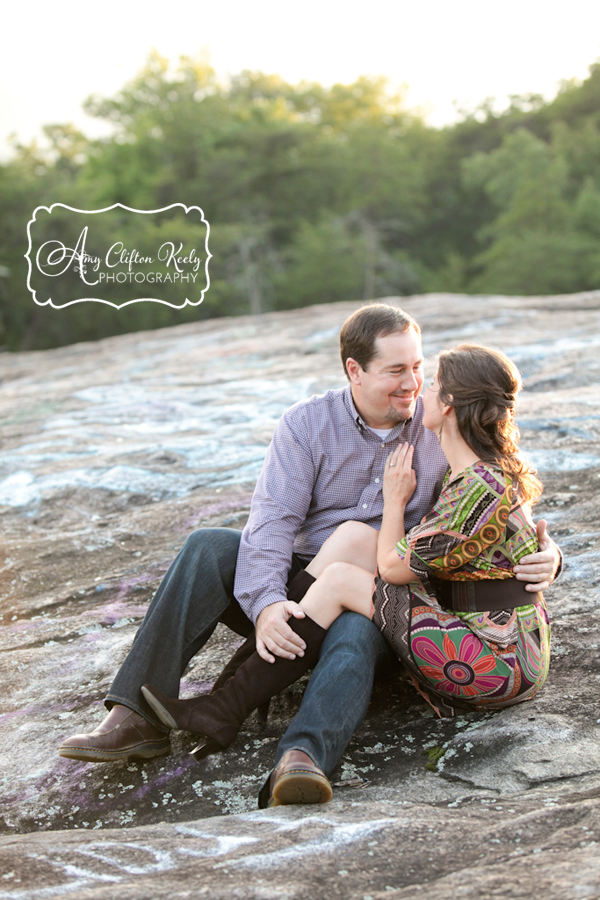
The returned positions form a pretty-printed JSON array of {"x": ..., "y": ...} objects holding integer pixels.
[{"x": 146, "y": 212}]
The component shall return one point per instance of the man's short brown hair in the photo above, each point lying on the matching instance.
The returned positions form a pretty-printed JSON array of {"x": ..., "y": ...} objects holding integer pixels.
[{"x": 361, "y": 330}]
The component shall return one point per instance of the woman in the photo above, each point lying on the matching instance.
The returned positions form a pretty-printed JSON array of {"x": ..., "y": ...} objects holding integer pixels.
[{"x": 444, "y": 594}]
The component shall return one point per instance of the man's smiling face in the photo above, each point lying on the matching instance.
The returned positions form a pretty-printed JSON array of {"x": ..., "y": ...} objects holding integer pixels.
[{"x": 386, "y": 391}]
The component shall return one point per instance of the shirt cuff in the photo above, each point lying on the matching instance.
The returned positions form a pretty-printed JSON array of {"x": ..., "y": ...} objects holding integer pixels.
[{"x": 262, "y": 602}]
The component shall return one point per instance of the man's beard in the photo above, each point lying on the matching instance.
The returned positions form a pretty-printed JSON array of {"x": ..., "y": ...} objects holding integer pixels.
[{"x": 395, "y": 416}]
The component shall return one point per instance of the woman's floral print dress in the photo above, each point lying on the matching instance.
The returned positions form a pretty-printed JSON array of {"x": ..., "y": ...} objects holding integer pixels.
[{"x": 477, "y": 660}]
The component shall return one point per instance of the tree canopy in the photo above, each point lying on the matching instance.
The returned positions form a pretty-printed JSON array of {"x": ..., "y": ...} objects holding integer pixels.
[{"x": 316, "y": 194}]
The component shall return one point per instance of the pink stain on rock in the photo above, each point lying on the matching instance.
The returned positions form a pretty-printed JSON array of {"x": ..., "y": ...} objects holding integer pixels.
[{"x": 233, "y": 504}]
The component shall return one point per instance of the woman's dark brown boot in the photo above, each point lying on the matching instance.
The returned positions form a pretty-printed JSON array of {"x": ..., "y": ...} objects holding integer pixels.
[
  {"x": 297, "y": 588},
  {"x": 240, "y": 656},
  {"x": 299, "y": 585},
  {"x": 220, "y": 715}
]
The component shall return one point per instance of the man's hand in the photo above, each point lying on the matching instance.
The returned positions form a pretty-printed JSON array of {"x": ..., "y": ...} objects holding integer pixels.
[
  {"x": 274, "y": 635},
  {"x": 539, "y": 568}
]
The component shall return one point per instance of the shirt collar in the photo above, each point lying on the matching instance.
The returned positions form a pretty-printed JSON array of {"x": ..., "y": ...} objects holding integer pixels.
[{"x": 363, "y": 427}]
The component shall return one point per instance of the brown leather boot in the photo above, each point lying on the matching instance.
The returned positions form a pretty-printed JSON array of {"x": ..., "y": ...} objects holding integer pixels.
[
  {"x": 123, "y": 734},
  {"x": 295, "y": 779},
  {"x": 220, "y": 716}
]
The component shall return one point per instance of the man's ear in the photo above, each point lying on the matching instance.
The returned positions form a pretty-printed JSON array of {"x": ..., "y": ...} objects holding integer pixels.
[{"x": 354, "y": 370}]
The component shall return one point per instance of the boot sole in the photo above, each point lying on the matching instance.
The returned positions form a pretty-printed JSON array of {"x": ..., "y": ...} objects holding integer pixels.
[
  {"x": 165, "y": 717},
  {"x": 92, "y": 755},
  {"x": 300, "y": 787}
]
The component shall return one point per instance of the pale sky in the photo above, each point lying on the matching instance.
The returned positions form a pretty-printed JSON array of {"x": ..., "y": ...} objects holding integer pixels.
[{"x": 54, "y": 54}]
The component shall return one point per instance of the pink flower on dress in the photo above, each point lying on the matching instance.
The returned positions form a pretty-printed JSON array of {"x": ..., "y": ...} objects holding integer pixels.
[{"x": 457, "y": 672}]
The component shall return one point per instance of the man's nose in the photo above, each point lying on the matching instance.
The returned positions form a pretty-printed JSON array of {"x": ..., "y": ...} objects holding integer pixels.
[{"x": 410, "y": 382}]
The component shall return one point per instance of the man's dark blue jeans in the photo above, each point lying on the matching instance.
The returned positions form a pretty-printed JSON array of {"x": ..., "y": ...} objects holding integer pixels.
[{"x": 197, "y": 593}]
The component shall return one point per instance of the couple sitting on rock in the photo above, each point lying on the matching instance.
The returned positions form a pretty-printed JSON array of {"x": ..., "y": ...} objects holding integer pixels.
[{"x": 382, "y": 523}]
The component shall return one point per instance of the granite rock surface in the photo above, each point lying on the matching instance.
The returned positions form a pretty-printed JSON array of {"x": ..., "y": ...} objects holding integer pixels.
[{"x": 111, "y": 454}]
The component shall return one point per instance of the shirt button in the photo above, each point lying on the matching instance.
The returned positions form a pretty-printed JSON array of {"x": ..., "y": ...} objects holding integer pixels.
[
  {"x": 377, "y": 481},
  {"x": 383, "y": 445},
  {"x": 364, "y": 505}
]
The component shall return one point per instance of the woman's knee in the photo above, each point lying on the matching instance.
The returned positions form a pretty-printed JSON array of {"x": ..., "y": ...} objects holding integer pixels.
[
  {"x": 354, "y": 542},
  {"x": 356, "y": 534},
  {"x": 339, "y": 575}
]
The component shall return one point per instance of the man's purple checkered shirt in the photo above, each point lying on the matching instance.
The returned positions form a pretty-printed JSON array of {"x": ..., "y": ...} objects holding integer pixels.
[{"x": 324, "y": 467}]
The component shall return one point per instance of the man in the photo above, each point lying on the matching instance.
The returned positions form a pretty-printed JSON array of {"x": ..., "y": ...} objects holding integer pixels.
[{"x": 324, "y": 467}]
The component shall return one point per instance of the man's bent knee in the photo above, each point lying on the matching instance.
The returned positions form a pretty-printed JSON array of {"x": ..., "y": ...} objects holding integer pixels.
[{"x": 220, "y": 542}]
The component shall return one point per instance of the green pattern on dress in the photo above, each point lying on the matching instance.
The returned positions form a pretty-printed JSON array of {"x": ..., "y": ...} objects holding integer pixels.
[{"x": 481, "y": 660}]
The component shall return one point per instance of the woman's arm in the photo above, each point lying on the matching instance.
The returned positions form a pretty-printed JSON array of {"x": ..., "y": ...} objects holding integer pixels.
[{"x": 399, "y": 483}]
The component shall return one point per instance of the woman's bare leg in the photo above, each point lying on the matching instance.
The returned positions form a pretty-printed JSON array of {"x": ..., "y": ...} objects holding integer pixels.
[
  {"x": 341, "y": 586},
  {"x": 351, "y": 542}
]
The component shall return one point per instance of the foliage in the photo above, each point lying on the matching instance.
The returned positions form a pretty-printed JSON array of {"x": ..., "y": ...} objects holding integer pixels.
[
  {"x": 433, "y": 754},
  {"x": 317, "y": 194}
]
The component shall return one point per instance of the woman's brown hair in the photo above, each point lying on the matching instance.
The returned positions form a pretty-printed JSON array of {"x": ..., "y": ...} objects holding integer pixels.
[{"x": 482, "y": 384}]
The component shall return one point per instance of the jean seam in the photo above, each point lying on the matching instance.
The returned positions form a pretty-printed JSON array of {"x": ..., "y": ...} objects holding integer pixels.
[{"x": 214, "y": 623}]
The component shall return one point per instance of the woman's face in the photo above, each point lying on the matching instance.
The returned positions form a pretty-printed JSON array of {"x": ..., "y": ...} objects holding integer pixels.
[{"x": 433, "y": 407}]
